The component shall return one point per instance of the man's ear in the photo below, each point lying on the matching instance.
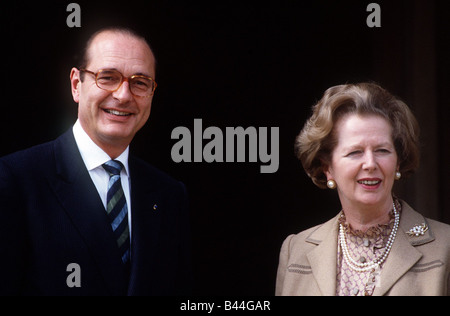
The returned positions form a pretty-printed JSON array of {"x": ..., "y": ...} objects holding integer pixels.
[{"x": 75, "y": 82}]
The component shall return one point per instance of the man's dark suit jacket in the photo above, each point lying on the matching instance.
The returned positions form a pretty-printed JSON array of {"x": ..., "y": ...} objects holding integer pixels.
[{"x": 51, "y": 216}]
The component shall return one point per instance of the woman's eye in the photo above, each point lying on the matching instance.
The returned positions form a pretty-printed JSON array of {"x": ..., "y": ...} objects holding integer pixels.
[{"x": 353, "y": 153}]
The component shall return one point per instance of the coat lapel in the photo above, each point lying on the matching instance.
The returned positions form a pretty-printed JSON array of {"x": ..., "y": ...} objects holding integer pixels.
[
  {"x": 402, "y": 258},
  {"x": 403, "y": 255},
  {"x": 79, "y": 197},
  {"x": 323, "y": 258}
]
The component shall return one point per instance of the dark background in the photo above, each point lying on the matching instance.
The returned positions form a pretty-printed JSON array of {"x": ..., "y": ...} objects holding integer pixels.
[{"x": 239, "y": 63}]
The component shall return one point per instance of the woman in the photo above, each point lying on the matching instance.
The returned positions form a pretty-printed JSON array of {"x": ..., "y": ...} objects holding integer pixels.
[{"x": 359, "y": 141}]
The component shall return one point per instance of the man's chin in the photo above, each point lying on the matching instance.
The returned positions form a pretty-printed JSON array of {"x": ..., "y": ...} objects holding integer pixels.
[{"x": 117, "y": 135}]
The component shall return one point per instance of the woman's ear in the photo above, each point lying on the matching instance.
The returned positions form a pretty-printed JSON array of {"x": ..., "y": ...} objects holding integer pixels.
[{"x": 327, "y": 171}]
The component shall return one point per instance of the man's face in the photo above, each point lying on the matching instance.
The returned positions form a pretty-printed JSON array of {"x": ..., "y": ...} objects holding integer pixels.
[{"x": 111, "y": 119}]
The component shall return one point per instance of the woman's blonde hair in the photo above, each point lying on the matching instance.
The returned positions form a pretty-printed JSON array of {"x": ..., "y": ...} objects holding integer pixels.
[{"x": 316, "y": 142}]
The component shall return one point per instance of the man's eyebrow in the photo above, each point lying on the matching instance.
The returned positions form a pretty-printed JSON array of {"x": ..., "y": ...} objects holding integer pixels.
[
  {"x": 135, "y": 74},
  {"x": 107, "y": 68},
  {"x": 142, "y": 74}
]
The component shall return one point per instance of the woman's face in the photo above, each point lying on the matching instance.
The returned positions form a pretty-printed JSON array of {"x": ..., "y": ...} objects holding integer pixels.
[{"x": 364, "y": 161}]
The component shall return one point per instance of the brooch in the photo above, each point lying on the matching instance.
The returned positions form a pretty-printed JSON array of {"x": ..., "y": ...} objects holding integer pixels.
[{"x": 418, "y": 230}]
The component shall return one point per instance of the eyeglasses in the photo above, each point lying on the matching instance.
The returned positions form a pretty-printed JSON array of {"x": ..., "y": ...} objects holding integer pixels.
[{"x": 111, "y": 80}]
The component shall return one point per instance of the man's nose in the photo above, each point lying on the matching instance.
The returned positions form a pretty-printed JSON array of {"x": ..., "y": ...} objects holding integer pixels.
[{"x": 123, "y": 94}]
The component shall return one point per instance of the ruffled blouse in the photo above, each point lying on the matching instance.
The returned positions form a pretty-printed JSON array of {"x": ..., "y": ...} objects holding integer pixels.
[{"x": 363, "y": 247}]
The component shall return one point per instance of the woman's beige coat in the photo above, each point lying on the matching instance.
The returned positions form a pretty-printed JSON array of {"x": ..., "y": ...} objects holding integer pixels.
[{"x": 415, "y": 266}]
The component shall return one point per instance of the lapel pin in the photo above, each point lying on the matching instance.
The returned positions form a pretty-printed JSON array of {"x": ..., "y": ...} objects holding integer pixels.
[
  {"x": 155, "y": 207},
  {"x": 418, "y": 230}
]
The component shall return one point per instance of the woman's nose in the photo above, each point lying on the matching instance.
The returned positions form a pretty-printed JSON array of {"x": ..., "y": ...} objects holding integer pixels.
[{"x": 369, "y": 161}]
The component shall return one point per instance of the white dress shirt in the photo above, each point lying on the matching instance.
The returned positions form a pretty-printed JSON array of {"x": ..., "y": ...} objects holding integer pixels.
[{"x": 93, "y": 157}]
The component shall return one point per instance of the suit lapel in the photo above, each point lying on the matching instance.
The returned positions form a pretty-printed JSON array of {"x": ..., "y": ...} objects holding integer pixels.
[
  {"x": 146, "y": 217},
  {"x": 79, "y": 197},
  {"x": 146, "y": 213},
  {"x": 323, "y": 258}
]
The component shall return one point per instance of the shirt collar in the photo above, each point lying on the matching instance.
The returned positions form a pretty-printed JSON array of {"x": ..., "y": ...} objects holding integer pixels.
[{"x": 93, "y": 156}]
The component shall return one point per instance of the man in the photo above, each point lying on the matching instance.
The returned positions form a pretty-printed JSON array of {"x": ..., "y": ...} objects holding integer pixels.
[{"x": 80, "y": 215}]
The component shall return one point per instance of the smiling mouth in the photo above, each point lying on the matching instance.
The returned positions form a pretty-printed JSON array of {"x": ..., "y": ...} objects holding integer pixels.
[
  {"x": 118, "y": 113},
  {"x": 369, "y": 182}
]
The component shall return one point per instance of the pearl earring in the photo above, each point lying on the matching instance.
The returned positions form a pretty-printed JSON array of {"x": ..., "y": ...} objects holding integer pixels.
[
  {"x": 398, "y": 175},
  {"x": 331, "y": 184}
]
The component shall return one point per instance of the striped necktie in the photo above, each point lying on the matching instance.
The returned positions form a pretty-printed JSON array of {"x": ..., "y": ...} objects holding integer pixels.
[{"x": 116, "y": 208}]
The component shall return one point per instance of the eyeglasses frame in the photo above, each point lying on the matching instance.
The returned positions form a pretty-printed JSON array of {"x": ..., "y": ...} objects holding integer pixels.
[{"x": 127, "y": 79}]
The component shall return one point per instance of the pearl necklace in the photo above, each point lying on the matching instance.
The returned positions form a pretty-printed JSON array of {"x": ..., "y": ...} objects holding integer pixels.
[{"x": 367, "y": 266}]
